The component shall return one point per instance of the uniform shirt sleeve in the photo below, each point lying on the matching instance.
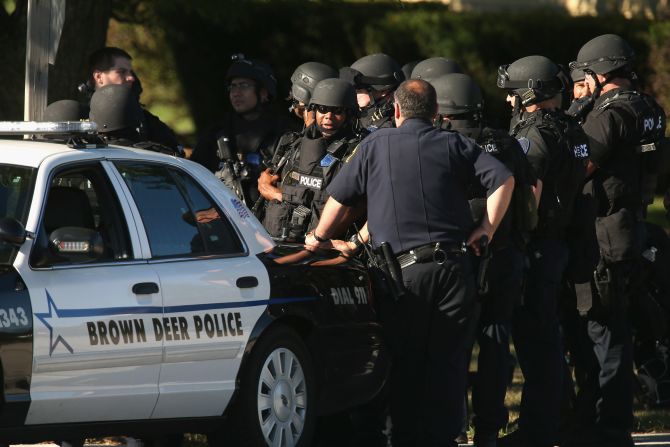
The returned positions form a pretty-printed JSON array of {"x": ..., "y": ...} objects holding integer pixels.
[
  {"x": 604, "y": 129},
  {"x": 349, "y": 184},
  {"x": 489, "y": 171}
]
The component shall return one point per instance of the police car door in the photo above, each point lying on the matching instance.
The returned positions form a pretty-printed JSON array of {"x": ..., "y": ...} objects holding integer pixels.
[
  {"x": 213, "y": 290},
  {"x": 93, "y": 299}
]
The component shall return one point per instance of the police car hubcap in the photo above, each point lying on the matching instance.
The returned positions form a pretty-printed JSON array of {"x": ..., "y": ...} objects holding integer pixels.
[{"x": 282, "y": 398}]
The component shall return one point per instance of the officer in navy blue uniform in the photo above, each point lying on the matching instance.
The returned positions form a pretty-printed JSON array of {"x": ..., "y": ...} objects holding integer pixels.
[
  {"x": 556, "y": 149},
  {"x": 624, "y": 127},
  {"x": 416, "y": 180},
  {"x": 460, "y": 108}
]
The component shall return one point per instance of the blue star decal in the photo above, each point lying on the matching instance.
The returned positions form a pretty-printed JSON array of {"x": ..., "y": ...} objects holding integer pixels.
[{"x": 49, "y": 315}]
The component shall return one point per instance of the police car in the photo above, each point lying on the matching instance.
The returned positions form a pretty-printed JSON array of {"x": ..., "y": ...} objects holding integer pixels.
[{"x": 139, "y": 296}]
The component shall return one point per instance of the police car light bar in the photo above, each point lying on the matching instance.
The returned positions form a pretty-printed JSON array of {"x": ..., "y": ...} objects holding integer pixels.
[{"x": 55, "y": 127}]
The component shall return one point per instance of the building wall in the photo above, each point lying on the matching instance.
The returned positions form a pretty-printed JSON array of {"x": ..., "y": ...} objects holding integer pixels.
[{"x": 629, "y": 8}]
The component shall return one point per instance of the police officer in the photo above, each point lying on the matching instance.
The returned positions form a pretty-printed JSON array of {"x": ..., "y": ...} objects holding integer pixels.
[
  {"x": 624, "y": 127},
  {"x": 113, "y": 66},
  {"x": 434, "y": 67},
  {"x": 415, "y": 180},
  {"x": 460, "y": 109},
  {"x": 556, "y": 149},
  {"x": 236, "y": 149},
  {"x": 375, "y": 77},
  {"x": 312, "y": 161},
  {"x": 303, "y": 81}
]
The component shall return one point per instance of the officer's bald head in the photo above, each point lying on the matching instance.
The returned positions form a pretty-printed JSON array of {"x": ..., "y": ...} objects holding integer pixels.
[{"x": 416, "y": 99}]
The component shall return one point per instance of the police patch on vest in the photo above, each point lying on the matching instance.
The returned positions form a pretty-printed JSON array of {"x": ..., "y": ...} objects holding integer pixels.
[
  {"x": 310, "y": 182},
  {"x": 581, "y": 151},
  {"x": 327, "y": 161},
  {"x": 525, "y": 144},
  {"x": 490, "y": 148}
]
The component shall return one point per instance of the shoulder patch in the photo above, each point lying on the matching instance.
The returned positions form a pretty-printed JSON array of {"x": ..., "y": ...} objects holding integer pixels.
[
  {"x": 327, "y": 161},
  {"x": 352, "y": 153},
  {"x": 525, "y": 144}
]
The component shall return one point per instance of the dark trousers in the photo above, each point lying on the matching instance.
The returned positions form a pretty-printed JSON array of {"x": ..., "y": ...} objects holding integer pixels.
[
  {"x": 494, "y": 364},
  {"x": 605, "y": 367},
  {"x": 428, "y": 332},
  {"x": 538, "y": 342}
]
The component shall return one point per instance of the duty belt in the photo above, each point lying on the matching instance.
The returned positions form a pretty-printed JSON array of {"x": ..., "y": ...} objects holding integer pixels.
[{"x": 437, "y": 252}]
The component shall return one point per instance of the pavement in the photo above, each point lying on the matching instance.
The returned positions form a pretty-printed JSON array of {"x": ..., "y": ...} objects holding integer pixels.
[{"x": 646, "y": 439}]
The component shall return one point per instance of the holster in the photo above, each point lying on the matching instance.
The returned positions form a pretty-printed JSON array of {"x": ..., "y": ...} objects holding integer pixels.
[{"x": 389, "y": 269}]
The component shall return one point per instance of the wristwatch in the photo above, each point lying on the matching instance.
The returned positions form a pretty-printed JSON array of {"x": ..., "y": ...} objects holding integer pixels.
[{"x": 319, "y": 239}]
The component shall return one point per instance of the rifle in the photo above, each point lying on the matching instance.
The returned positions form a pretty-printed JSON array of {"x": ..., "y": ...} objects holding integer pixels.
[
  {"x": 232, "y": 170},
  {"x": 278, "y": 161}
]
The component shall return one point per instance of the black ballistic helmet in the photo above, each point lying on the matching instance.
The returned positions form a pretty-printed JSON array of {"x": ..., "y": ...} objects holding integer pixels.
[
  {"x": 434, "y": 67},
  {"x": 408, "y": 67},
  {"x": 305, "y": 78},
  {"x": 115, "y": 107},
  {"x": 533, "y": 78},
  {"x": 253, "y": 69},
  {"x": 375, "y": 71},
  {"x": 63, "y": 110},
  {"x": 604, "y": 54},
  {"x": 334, "y": 92},
  {"x": 577, "y": 75},
  {"x": 457, "y": 94}
]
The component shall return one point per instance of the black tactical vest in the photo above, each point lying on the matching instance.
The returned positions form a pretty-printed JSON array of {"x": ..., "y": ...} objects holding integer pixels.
[
  {"x": 311, "y": 166},
  {"x": 521, "y": 211},
  {"x": 647, "y": 142},
  {"x": 569, "y": 149}
]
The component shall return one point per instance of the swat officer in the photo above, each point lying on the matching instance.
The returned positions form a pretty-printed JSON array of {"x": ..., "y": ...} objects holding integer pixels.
[
  {"x": 235, "y": 150},
  {"x": 113, "y": 66},
  {"x": 460, "y": 109},
  {"x": 312, "y": 161},
  {"x": 556, "y": 149},
  {"x": 375, "y": 77},
  {"x": 303, "y": 81},
  {"x": 434, "y": 67},
  {"x": 624, "y": 127},
  {"x": 418, "y": 215},
  {"x": 119, "y": 116}
]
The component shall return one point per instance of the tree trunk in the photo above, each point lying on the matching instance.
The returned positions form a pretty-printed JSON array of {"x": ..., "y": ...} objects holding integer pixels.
[{"x": 85, "y": 30}]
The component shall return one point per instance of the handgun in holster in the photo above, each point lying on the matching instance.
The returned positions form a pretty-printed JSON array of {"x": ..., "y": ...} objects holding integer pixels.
[
  {"x": 388, "y": 266},
  {"x": 482, "y": 272},
  {"x": 605, "y": 285}
]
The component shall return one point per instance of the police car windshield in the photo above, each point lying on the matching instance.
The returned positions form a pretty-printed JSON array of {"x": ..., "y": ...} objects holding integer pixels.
[{"x": 16, "y": 186}]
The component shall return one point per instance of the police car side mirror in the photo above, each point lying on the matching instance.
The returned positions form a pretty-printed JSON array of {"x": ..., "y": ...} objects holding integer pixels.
[
  {"x": 77, "y": 244},
  {"x": 12, "y": 231}
]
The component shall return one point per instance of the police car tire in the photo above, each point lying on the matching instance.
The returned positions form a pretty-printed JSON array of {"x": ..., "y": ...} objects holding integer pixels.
[{"x": 280, "y": 344}]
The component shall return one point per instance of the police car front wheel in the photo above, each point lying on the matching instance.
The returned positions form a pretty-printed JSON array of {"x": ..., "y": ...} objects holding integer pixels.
[{"x": 278, "y": 392}]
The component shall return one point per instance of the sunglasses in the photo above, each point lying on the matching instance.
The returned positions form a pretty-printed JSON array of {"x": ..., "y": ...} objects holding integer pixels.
[
  {"x": 242, "y": 86},
  {"x": 329, "y": 109}
]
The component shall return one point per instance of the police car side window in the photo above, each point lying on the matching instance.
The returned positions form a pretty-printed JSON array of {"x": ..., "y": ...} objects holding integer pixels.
[
  {"x": 83, "y": 199},
  {"x": 217, "y": 232},
  {"x": 168, "y": 220}
]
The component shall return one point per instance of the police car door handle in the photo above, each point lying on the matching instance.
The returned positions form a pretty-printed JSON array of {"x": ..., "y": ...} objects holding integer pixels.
[
  {"x": 145, "y": 288},
  {"x": 246, "y": 282}
]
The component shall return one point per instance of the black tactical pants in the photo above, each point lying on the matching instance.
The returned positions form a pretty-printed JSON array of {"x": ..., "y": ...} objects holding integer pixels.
[
  {"x": 505, "y": 278},
  {"x": 428, "y": 331},
  {"x": 605, "y": 367},
  {"x": 538, "y": 343}
]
